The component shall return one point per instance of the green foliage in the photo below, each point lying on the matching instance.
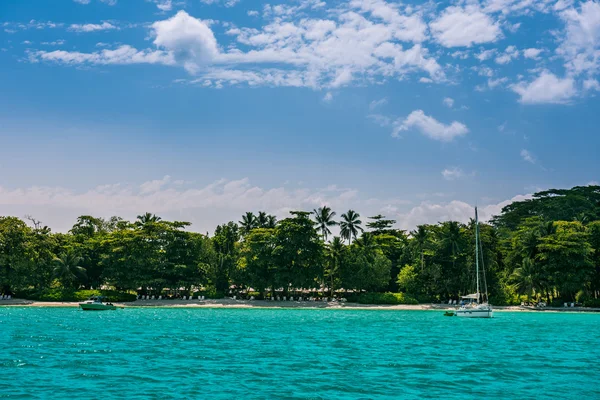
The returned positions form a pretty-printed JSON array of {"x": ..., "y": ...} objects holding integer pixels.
[
  {"x": 546, "y": 248},
  {"x": 68, "y": 295},
  {"x": 210, "y": 293},
  {"x": 385, "y": 298},
  {"x": 408, "y": 280}
]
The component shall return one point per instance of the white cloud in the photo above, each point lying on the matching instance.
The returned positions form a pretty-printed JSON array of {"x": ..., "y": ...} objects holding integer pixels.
[
  {"x": 528, "y": 156},
  {"x": 547, "y": 88},
  {"x": 453, "y": 173},
  {"x": 409, "y": 28},
  {"x": 342, "y": 77},
  {"x": 328, "y": 97},
  {"x": 362, "y": 41},
  {"x": 215, "y": 203},
  {"x": 430, "y": 127},
  {"x": 510, "y": 53},
  {"x": 253, "y": 13},
  {"x": 164, "y": 5},
  {"x": 532, "y": 53},
  {"x": 154, "y": 185},
  {"x": 191, "y": 40},
  {"x": 92, "y": 27},
  {"x": 580, "y": 45},
  {"x": 591, "y": 84},
  {"x": 377, "y": 103},
  {"x": 219, "y": 202},
  {"x": 486, "y": 54},
  {"x": 432, "y": 213},
  {"x": 458, "y": 26},
  {"x": 120, "y": 56},
  {"x": 448, "y": 102},
  {"x": 59, "y": 42},
  {"x": 82, "y": 1}
]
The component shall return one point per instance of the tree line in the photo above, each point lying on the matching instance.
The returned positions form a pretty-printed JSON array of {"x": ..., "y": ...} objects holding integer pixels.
[{"x": 545, "y": 248}]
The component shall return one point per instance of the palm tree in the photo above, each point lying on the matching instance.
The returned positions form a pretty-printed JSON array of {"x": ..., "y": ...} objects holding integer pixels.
[
  {"x": 67, "y": 269},
  {"x": 248, "y": 222},
  {"x": 524, "y": 278},
  {"x": 324, "y": 219},
  {"x": 262, "y": 219},
  {"x": 147, "y": 218},
  {"x": 350, "y": 225},
  {"x": 421, "y": 237},
  {"x": 335, "y": 251},
  {"x": 451, "y": 238},
  {"x": 367, "y": 241},
  {"x": 271, "y": 221}
]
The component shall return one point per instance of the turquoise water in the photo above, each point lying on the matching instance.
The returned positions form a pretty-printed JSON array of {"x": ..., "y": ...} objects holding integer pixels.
[{"x": 156, "y": 353}]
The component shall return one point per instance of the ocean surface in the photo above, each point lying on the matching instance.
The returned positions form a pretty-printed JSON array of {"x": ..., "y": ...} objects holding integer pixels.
[{"x": 159, "y": 353}]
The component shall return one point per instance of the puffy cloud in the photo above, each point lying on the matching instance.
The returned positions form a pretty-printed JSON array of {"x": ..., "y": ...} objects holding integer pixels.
[
  {"x": 580, "y": 45},
  {"x": 431, "y": 213},
  {"x": 509, "y": 54},
  {"x": 458, "y": 26},
  {"x": 448, "y": 102},
  {"x": 547, "y": 88},
  {"x": 430, "y": 127},
  {"x": 409, "y": 28},
  {"x": 532, "y": 53},
  {"x": 191, "y": 40},
  {"x": 486, "y": 54},
  {"x": 92, "y": 27},
  {"x": 328, "y": 97}
]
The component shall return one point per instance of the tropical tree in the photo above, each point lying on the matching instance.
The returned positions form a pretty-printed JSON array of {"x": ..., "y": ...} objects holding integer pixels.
[
  {"x": 271, "y": 222},
  {"x": 68, "y": 270},
  {"x": 379, "y": 225},
  {"x": 525, "y": 278},
  {"x": 421, "y": 238},
  {"x": 262, "y": 219},
  {"x": 249, "y": 221},
  {"x": 324, "y": 220},
  {"x": 147, "y": 219},
  {"x": 350, "y": 225},
  {"x": 335, "y": 255}
]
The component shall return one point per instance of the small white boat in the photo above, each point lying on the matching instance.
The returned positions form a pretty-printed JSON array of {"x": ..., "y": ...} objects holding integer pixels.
[
  {"x": 476, "y": 305},
  {"x": 96, "y": 304}
]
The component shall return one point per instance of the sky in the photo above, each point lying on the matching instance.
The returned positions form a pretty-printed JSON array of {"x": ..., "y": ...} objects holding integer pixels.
[{"x": 201, "y": 110}]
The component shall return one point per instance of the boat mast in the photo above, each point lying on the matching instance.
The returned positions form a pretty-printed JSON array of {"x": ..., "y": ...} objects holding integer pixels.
[{"x": 477, "y": 251}]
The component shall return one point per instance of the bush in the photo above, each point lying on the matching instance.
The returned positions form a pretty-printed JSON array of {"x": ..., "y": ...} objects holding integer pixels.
[
  {"x": 385, "y": 298},
  {"x": 591, "y": 302},
  {"x": 75, "y": 295}
]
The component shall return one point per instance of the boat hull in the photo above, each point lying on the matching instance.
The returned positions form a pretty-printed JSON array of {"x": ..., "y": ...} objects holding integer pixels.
[
  {"x": 475, "y": 313},
  {"x": 96, "y": 307}
]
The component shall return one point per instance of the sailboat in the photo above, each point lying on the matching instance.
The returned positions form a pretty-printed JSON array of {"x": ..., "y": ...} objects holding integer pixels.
[{"x": 476, "y": 305}]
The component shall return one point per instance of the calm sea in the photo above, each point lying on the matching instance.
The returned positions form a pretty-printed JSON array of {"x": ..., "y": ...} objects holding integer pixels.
[{"x": 151, "y": 353}]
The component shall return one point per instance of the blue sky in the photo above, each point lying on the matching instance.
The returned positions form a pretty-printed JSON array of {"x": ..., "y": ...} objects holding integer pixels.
[{"x": 204, "y": 109}]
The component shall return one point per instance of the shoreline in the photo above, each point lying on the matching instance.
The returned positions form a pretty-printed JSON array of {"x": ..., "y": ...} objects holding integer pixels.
[{"x": 263, "y": 304}]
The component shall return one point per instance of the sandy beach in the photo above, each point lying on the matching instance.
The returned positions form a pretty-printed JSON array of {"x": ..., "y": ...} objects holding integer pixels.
[{"x": 230, "y": 303}]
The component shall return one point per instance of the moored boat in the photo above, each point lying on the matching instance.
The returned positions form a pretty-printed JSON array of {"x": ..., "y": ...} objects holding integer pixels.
[
  {"x": 476, "y": 305},
  {"x": 96, "y": 304}
]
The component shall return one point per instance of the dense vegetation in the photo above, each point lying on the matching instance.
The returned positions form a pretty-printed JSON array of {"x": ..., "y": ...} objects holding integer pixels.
[{"x": 546, "y": 248}]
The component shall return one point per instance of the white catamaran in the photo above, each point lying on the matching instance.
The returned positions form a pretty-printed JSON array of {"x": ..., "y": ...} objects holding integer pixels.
[{"x": 476, "y": 305}]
